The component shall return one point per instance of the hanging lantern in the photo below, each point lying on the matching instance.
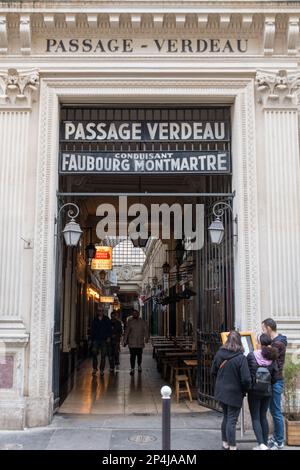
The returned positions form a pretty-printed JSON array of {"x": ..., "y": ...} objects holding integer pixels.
[
  {"x": 216, "y": 231},
  {"x": 72, "y": 233}
]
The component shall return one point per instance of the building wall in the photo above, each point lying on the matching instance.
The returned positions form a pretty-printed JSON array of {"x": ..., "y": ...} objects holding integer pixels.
[{"x": 265, "y": 152}]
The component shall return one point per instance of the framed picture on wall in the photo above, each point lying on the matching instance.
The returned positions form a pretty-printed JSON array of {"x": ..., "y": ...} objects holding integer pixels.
[{"x": 248, "y": 340}]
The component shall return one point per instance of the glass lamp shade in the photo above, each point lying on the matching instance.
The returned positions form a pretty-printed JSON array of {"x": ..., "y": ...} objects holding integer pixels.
[
  {"x": 72, "y": 233},
  {"x": 90, "y": 251},
  {"x": 216, "y": 231}
]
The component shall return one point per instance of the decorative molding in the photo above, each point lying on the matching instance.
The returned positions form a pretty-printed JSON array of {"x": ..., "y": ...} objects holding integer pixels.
[
  {"x": 249, "y": 203},
  {"x": 70, "y": 20},
  {"x": 163, "y": 20},
  {"x": 277, "y": 88},
  {"x": 269, "y": 35},
  {"x": 25, "y": 34},
  {"x": 180, "y": 20},
  {"x": 126, "y": 272},
  {"x": 114, "y": 21},
  {"x": 225, "y": 20},
  {"x": 202, "y": 20},
  {"x": 49, "y": 21},
  {"x": 92, "y": 20},
  {"x": 136, "y": 21},
  {"x": 247, "y": 21},
  {"x": 292, "y": 35},
  {"x": 3, "y": 35},
  {"x": 18, "y": 88}
]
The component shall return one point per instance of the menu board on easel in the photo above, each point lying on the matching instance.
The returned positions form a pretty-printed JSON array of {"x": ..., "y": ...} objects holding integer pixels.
[{"x": 248, "y": 340}]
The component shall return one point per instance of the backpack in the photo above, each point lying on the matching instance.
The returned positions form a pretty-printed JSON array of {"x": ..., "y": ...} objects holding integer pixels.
[{"x": 262, "y": 383}]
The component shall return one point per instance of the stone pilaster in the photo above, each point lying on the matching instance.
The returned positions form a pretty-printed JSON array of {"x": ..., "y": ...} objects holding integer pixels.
[
  {"x": 279, "y": 201},
  {"x": 16, "y": 93}
]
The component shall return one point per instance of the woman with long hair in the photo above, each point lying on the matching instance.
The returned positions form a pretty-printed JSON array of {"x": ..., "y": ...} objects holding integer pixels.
[
  {"x": 233, "y": 379},
  {"x": 263, "y": 368}
]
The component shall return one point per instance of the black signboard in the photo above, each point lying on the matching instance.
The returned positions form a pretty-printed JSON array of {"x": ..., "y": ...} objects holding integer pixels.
[
  {"x": 144, "y": 131},
  {"x": 202, "y": 162}
]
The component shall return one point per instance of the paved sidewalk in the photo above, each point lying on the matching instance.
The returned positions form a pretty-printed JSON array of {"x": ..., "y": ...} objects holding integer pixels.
[
  {"x": 122, "y": 413},
  {"x": 85, "y": 432}
]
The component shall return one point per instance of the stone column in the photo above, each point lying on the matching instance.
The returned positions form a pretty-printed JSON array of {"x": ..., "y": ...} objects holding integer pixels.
[
  {"x": 279, "y": 197},
  {"x": 16, "y": 93}
]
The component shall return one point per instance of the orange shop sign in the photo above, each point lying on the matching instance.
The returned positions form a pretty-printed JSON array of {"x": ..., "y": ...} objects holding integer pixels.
[{"x": 103, "y": 258}]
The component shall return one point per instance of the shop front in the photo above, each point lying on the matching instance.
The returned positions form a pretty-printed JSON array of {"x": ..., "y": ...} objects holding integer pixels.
[{"x": 183, "y": 103}]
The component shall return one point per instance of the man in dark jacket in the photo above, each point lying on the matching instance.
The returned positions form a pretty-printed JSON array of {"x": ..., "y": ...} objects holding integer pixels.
[
  {"x": 101, "y": 333},
  {"x": 280, "y": 343},
  {"x": 233, "y": 379}
]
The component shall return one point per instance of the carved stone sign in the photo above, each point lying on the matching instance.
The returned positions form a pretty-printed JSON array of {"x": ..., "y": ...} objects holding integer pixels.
[{"x": 129, "y": 45}]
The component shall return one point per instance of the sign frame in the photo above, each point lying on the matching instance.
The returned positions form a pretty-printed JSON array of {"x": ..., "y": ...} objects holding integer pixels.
[
  {"x": 119, "y": 157},
  {"x": 244, "y": 334}
]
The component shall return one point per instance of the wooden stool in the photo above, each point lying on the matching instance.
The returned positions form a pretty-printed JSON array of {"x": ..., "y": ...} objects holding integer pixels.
[
  {"x": 185, "y": 380},
  {"x": 178, "y": 369}
]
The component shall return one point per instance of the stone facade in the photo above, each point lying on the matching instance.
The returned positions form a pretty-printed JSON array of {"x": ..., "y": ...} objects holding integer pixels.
[{"x": 245, "y": 54}]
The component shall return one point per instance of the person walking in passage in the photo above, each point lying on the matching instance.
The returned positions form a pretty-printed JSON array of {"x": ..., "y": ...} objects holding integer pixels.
[
  {"x": 117, "y": 332},
  {"x": 101, "y": 333},
  {"x": 278, "y": 341},
  {"x": 263, "y": 368},
  {"x": 233, "y": 379},
  {"x": 136, "y": 334}
]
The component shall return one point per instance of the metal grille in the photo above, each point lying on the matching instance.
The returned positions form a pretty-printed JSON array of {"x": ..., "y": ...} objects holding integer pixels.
[
  {"x": 126, "y": 254},
  {"x": 216, "y": 302}
]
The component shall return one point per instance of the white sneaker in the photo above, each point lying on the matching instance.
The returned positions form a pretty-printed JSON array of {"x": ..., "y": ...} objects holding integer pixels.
[
  {"x": 261, "y": 447},
  {"x": 276, "y": 446}
]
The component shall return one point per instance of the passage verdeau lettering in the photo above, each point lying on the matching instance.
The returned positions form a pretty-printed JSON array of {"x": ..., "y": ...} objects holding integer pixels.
[
  {"x": 160, "y": 46},
  {"x": 144, "y": 131}
]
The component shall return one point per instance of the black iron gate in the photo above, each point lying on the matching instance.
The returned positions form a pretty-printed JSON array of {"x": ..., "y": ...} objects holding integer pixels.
[{"x": 216, "y": 306}]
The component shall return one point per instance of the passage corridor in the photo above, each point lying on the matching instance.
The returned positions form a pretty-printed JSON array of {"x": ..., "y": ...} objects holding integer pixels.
[{"x": 122, "y": 394}]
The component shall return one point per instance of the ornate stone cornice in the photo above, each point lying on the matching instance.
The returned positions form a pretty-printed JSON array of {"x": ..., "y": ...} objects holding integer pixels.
[
  {"x": 277, "y": 89},
  {"x": 18, "y": 88},
  {"x": 3, "y": 34}
]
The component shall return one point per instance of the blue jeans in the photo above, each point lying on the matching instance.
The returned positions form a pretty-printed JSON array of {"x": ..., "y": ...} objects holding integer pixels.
[{"x": 275, "y": 409}]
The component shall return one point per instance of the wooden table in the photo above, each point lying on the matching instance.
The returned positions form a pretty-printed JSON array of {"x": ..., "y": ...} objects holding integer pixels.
[
  {"x": 191, "y": 362},
  {"x": 181, "y": 354}
]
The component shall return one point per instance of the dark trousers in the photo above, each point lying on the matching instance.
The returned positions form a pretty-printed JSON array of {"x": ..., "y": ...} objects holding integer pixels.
[
  {"x": 258, "y": 407},
  {"x": 104, "y": 349},
  {"x": 115, "y": 353},
  {"x": 230, "y": 418},
  {"x": 135, "y": 353}
]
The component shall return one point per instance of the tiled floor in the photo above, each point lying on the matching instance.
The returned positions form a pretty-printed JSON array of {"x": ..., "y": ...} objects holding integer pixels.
[{"x": 122, "y": 394}]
